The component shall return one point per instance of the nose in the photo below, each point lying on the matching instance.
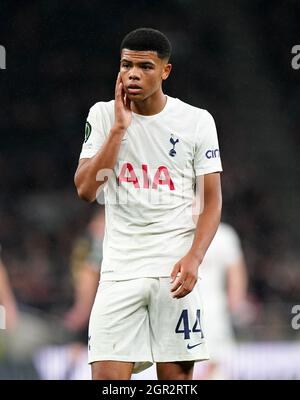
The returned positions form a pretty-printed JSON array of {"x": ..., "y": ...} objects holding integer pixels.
[{"x": 134, "y": 74}]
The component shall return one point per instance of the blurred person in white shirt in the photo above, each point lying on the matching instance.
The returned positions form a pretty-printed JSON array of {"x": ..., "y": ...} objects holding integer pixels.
[{"x": 223, "y": 282}]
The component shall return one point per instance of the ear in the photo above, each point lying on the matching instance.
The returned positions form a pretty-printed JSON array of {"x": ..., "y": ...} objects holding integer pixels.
[{"x": 166, "y": 71}]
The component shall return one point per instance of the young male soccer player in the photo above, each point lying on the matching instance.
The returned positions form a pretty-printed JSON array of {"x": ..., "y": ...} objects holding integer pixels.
[{"x": 146, "y": 151}]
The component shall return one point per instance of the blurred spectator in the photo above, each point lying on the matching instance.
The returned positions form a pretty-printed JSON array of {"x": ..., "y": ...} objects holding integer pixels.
[
  {"x": 86, "y": 257},
  {"x": 86, "y": 260},
  {"x": 7, "y": 301}
]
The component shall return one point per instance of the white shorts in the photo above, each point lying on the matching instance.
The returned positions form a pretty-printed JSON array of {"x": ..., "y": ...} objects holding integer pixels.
[{"x": 138, "y": 321}]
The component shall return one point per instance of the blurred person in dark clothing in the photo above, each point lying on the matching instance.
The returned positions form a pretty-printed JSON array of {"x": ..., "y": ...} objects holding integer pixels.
[{"x": 86, "y": 260}]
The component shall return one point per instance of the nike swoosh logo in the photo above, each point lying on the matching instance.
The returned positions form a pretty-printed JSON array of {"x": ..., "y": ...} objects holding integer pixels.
[{"x": 192, "y": 346}]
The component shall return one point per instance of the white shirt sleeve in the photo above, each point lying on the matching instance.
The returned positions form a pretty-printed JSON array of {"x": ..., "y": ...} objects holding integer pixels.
[
  {"x": 95, "y": 131},
  {"x": 207, "y": 154}
]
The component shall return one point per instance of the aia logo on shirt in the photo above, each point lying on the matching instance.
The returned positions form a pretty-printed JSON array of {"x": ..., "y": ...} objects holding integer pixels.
[{"x": 140, "y": 178}]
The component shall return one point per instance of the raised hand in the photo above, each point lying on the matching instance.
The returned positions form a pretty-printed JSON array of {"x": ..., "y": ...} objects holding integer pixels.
[{"x": 123, "y": 112}]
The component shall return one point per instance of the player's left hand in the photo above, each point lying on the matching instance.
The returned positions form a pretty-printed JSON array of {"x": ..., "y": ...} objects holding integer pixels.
[{"x": 184, "y": 275}]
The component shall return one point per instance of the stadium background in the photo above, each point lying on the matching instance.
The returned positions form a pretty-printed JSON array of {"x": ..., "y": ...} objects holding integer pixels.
[{"x": 232, "y": 58}]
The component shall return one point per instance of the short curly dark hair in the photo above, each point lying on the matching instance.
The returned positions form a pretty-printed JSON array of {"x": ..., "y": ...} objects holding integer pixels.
[{"x": 143, "y": 39}]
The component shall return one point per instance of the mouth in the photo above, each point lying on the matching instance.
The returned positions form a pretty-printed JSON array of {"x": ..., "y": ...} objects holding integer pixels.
[{"x": 134, "y": 89}]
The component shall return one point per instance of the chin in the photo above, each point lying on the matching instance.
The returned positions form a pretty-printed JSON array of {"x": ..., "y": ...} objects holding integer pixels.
[{"x": 136, "y": 97}]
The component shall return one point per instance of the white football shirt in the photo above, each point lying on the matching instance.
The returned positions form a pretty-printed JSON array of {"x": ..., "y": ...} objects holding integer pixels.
[{"x": 148, "y": 198}]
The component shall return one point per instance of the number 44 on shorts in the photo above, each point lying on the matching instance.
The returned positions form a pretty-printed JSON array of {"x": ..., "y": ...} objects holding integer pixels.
[{"x": 184, "y": 320}]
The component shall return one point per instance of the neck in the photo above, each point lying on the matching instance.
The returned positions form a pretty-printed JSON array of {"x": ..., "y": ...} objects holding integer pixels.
[{"x": 154, "y": 104}]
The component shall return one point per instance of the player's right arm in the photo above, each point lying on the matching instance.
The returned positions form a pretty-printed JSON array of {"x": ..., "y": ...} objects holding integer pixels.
[{"x": 105, "y": 159}]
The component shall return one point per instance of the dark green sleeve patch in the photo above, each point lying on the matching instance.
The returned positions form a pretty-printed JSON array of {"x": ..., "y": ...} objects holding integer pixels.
[{"x": 87, "y": 132}]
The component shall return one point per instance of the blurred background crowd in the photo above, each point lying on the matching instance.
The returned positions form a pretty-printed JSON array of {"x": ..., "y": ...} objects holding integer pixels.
[{"x": 231, "y": 58}]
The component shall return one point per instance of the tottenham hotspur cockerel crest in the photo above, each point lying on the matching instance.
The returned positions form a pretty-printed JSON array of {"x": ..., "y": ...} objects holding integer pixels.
[{"x": 173, "y": 141}]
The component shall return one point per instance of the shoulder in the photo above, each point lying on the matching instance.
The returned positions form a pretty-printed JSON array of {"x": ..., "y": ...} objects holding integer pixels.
[
  {"x": 103, "y": 106},
  {"x": 102, "y": 113},
  {"x": 200, "y": 113}
]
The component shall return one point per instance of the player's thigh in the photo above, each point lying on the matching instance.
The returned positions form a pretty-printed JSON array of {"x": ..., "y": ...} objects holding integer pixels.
[
  {"x": 119, "y": 325},
  {"x": 111, "y": 370}
]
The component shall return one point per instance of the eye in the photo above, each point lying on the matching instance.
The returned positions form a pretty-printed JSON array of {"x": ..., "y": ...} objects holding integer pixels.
[{"x": 125, "y": 65}]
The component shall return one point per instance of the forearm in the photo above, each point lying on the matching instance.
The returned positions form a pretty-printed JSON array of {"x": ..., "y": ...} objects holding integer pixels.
[
  {"x": 206, "y": 226},
  {"x": 184, "y": 274},
  {"x": 86, "y": 180}
]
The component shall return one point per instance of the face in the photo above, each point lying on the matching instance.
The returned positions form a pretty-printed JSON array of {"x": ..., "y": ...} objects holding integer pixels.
[{"x": 142, "y": 73}]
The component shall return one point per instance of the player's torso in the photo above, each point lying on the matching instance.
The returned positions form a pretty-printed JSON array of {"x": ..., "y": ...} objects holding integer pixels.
[
  {"x": 158, "y": 142},
  {"x": 149, "y": 196},
  {"x": 156, "y": 153}
]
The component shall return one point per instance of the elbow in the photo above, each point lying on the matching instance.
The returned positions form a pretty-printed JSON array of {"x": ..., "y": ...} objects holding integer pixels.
[
  {"x": 82, "y": 191},
  {"x": 215, "y": 207},
  {"x": 215, "y": 203},
  {"x": 84, "y": 195}
]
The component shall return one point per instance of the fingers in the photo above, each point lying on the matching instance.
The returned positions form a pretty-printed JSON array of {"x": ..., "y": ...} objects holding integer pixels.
[
  {"x": 182, "y": 286},
  {"x": 175, "y": 271},
  {"x": 127, "y": 102},
  {"x": 178, "y": 282},
  {"x": 117, "y": 84},
  {"x": 120, "y": 95},
  {"x": 119, "y": 87}
]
